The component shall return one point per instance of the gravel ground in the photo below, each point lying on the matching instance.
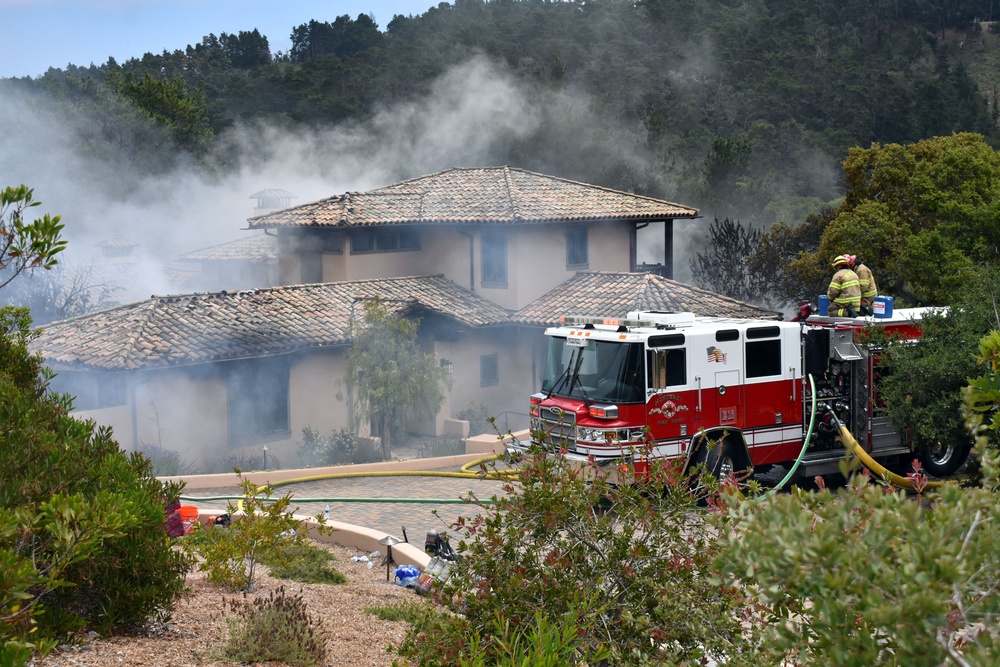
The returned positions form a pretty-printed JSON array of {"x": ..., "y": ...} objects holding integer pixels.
[{"x": 354, "y": 637}]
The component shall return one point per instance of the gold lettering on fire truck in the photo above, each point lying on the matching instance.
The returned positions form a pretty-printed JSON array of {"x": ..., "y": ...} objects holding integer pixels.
[{"x": 667, "y": 405}]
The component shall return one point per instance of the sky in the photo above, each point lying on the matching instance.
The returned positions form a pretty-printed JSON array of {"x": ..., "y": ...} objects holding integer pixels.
[{"x": 38, "y": 34}]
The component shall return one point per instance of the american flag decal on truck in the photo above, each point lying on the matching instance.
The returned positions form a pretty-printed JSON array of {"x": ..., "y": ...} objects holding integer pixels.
[{"x": 715, "y": 354}]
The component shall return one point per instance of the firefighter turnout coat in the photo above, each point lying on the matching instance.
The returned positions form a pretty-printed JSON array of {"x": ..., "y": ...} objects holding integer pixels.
[
  {"x": 869, "y": 290},
  {"x": 844, "y": 290}
]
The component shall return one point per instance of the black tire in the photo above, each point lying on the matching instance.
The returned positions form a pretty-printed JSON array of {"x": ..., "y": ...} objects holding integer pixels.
[
  {"x": 719, "y": 460},
  {"x": 942, "y": 461}
]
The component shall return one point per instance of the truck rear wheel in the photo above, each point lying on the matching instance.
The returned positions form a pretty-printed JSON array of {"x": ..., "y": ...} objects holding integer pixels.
[{"x": 943, "y": 460}]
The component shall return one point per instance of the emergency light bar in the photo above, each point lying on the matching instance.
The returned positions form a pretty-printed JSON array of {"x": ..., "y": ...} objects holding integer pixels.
[
  {"x": 641, "y": 318},
  {"x": 609, "y": 321}
]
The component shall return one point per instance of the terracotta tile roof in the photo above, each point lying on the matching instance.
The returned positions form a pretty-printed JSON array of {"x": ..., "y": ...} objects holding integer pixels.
[
  {"x": 200, "y": 328},
  {"x": 480, "y": 195},
  {"x": 255, "y": 249},
  {"x": 611, "y": 294}
]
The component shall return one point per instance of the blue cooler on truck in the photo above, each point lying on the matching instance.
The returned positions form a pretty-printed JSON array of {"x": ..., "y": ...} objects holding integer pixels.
[
  {"x": 824, "y": 305},
  {"x": 882, "y": 306}
]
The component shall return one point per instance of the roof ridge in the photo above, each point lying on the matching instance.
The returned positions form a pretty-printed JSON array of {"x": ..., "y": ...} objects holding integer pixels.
[
  {"x": 515, "y": 215},
  {"x": 150, "y": 308}
]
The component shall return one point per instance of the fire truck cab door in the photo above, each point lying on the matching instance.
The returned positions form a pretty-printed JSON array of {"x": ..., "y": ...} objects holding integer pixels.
[{"x": 728, "y": 399}]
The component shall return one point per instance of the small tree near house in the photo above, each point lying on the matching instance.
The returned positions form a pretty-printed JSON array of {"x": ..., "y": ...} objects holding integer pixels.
[{"x": 388, "y": 374}]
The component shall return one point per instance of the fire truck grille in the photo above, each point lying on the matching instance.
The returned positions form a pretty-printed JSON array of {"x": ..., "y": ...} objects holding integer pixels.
[{"x": 559, "y": 428}]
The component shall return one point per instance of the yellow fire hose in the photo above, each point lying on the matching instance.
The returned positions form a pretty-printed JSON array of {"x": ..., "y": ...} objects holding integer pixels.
[
  {"x": 854, "y": 447},
  {"x": 465, "y": 473}
]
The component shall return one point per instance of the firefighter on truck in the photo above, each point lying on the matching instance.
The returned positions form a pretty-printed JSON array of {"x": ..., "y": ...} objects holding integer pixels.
[{"x": 665, "y": 385}]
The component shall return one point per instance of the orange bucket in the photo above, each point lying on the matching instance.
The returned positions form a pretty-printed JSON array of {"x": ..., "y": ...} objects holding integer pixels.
[{"x": 189, "y": 515}]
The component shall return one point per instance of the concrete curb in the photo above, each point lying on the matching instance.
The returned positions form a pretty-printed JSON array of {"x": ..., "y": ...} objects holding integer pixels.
[{"x": 344, "y": 534}]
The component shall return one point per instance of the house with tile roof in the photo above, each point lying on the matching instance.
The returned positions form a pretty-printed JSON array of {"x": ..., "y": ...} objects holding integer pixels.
[
  {"x": 210, "y": 374},
  {"x": 498, "y": 254},
  {"x": 244, "y": 263},
  {"x": 506, "y": 234}
]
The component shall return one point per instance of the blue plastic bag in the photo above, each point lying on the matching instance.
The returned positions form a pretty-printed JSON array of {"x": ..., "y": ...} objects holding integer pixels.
[{"x": 407, "y": 575}]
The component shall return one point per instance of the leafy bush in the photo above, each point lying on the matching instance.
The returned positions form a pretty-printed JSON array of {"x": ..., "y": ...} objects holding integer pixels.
[
  {"x": 479, "y": 418},
  {"x": 82, "y": 539},
  {"x": 630, "y": 561},
  {"x": 276, "y": 628},
  {"x": 305, "y": 562},
  {"x": 868, "y": 576},
  {"x": 339, "y": 448},
  {"x": 165, "y": 462},
  {"x": 448, "y": 445},
  {"x": 260, "y": 528},
  {"x": 244, "y": 461}
]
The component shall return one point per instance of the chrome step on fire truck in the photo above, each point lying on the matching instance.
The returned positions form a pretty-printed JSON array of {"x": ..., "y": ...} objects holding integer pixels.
[{"x": 661, "y": 385}]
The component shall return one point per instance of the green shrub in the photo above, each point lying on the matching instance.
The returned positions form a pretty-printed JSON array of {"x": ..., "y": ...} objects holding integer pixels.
[
  {"x": 82, "y": 539},
  {"x": 339, "y": 448},
  {"x": 276, "y": 628},
  {"x": 166, "y": 462},
  {"x": 629, "y": 561},
  {"x": 305, "y": 562},
  {"x": 448, "y": 445},
  {"x": 245, "y": 461},
  {"x": 479, "y": 418},
  {"x": 260, "y": 528},
  {"x": 410, "y": 612}
]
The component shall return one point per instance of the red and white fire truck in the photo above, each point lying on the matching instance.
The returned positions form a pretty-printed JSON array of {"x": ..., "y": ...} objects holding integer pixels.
[{"x": 660, "y": 385}]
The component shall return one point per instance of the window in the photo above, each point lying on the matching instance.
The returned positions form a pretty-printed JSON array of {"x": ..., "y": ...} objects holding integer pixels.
[
  {"x": 362, "y": 242},
  {"x": 494, "y": 258},
  {"x": 576, "y": 248},
  {"x": 489, "y": 370},
  {"x": 667, "y": 368},
  {"x": 91, "y": 391},
  {"x": 385, "y": 240},
  {"x": 258, "y": 400},
  {"x": 763, "y": 357}
]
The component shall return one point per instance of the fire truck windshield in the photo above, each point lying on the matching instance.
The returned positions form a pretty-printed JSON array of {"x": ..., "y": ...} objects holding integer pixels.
[{"x": 599, "y": 371}]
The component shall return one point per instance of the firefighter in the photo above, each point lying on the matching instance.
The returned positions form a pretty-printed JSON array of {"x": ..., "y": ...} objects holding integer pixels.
[
  {"x": 844, "y": 291},
  {"x": 869, "y": 290}
]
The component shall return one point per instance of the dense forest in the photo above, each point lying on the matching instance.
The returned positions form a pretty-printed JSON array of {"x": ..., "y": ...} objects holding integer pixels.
[{"x": 745, "y": 110}]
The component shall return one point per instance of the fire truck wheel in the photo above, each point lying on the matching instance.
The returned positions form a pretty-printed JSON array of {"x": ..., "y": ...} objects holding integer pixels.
[
  {"x": 944, "y": 460},
  {"x": 719, "y": 460}
]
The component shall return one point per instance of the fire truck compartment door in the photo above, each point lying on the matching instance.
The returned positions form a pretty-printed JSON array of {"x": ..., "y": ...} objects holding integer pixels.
[{"x": 729, "y": 397}]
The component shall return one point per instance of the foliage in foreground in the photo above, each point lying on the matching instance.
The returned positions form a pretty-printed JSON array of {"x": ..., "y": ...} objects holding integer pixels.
[
  {"x": 260, "y": 529},
  {"x": 627, "y": 562},
  {"x": 276, "y": 628},
  {"x": 869, "y": 576},
  {"x": 82, "y": 539}
]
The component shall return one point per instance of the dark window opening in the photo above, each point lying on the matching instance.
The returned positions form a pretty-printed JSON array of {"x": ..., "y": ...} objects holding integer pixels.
[
  {"x": 489, "y": 370},
  {"x": 257, "y": 400},
  {"x": 91, "y": 391},
  {"x": 576, "y": 247},
  {"x": 763, "y": 332},
  {"x": 724, "y": 335},
  {"x": 362, "y": 242},
  {"x": 385, "y": 240},
  {"x": 494, "y": 259},
  {"x": 667, "y": 368},
  {"x": 763, "y": 358}
]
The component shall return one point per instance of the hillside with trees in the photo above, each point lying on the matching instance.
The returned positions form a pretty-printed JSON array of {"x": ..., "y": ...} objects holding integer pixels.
[{"x": 744, "y": 110}]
